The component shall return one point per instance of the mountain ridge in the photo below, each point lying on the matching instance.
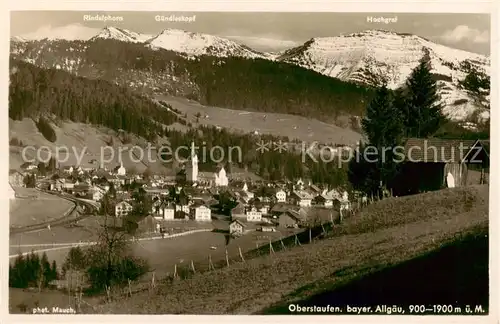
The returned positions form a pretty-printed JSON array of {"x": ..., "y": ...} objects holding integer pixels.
[{"x": 367, "y": 58}]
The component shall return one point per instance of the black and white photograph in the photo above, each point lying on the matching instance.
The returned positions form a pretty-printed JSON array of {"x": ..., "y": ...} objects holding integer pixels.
[{"x": 249, "y": 163}]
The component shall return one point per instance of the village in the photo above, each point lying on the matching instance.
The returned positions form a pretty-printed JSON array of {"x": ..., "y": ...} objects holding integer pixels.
[{"x": 192, "y": 199}]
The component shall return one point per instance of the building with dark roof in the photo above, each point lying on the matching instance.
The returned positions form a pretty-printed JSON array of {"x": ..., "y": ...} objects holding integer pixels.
[{"x": 434, "y": 163}]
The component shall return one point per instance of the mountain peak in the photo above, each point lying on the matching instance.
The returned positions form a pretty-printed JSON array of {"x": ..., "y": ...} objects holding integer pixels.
[
  {"x": 192, "y": 43},
  {"x": 124, "y": 35}
]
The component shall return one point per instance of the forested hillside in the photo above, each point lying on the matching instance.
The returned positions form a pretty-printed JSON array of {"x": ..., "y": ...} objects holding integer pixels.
[
  {"x": 235, "y": 83},
  {"x": 34, "y": 92}
]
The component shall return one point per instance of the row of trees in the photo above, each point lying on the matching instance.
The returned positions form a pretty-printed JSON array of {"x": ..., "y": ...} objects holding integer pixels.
[
  {"x": 32, "y": 271},
  {"x": 391, "y": 117}
]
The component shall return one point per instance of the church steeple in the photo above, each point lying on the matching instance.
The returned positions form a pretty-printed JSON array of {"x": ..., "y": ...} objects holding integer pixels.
[
  {"x": 194, "y": 157},
  {"x": 192, "y": 166}
]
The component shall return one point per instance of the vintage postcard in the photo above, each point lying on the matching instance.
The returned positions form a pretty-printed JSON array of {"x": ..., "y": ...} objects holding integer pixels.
[{"x": 239, "y": 162}]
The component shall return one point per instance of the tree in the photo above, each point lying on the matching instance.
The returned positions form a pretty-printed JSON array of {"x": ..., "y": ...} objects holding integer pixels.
[
  {"x": 375, "y": 165},
  {"x": 422, "y": 107},
  {"x": 75, "y": 260},
  {"x": 52, "y": 165},
  {"x": 29, "y": 181},
  {"x": 108, "y": 262},
  {"x": 226, "y": 202},
  {"x": 42, "y": 168},
  {"x": 147, "y": 173}
]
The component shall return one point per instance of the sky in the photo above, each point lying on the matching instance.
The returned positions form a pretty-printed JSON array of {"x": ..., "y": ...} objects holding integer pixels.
[{"x": 267, "y": 31}]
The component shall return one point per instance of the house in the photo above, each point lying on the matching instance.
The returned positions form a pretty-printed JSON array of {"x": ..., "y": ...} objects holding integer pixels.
[
  {"x": 168, "y": 211},
  {"x": 253, "y": 214},
  {"x": 201, "y": 213},
  {"x": 301, "y": 198},
  {"x": 185, "y": 208},
  {"x": 433, "y": 164},
  {"x": 16, "y": 179},
  {"x": 97, "y": 193},
  {"x": 163, "y": 210},
  {"x": 281, "y": 196},
  {"x": 81, "y": 189},
  {"x": 288, "y": 220},
  {"x": 323, "y": 200},
  {"x": 236, "y": 228},
  {"x": 238, "y": 212},
  {"x": 221, "y": 179},
  {"x": 122, "y": 209}
]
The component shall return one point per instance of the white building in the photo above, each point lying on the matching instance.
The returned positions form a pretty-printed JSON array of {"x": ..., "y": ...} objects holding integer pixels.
[
  {"x": 281, "y": 196},
  {"x": 98, "y": 193},
  {"x": 253, "y": 215},
  {"x": 201, "y": 213},
  {"x": 165, "y": 212},
  {"x": 221, "y": 179},
  {"x": 121, "y": 170},
  {"x": 182, "y": 208},
  {"x": 302, "y": 198},
  {"x": 122, "y": 209}
]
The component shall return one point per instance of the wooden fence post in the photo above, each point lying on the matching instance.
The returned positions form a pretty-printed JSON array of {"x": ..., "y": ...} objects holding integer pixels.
[
  {"x": 129, "y": 289},
  {"x": 227, "y": 259},
  {"x": 282, "y": 244},
  {"x": 175, "y": 271},
  {"x": 210, "y": 264},
  {"x": 241, "y": 254},
  {"x": 192, "y": 266},
  {"x": 297, "y": 241},
  {"x": 108, "y": 293},
  {"x": 271, "y": 249},
  {"x": 310, "y": 235}
]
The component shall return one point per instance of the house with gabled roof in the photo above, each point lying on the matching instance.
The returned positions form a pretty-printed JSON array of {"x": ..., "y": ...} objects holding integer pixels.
[
  {"x": 301, "y": 198},
  {"x": 236, "y": 228}
]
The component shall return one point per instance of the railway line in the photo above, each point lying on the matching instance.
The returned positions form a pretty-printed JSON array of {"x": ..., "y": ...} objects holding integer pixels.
[{"x": 62, "y": 221}]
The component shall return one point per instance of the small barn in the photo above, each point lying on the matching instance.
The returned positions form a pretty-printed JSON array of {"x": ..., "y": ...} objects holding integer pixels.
[{"x": 434, "y": 163}]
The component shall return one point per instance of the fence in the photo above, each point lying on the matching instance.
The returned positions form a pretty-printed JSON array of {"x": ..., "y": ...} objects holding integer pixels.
[{"x": 182, "y": 272}]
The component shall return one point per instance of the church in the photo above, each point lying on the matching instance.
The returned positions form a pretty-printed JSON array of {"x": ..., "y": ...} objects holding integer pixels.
[
  {"x": 219, "y": 178},
  {"x": 192, "y": 166}
]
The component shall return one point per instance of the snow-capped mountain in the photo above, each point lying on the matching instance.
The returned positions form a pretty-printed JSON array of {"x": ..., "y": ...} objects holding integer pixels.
[
  {"x": 194, "y": 44},
  {"x": 367, "y": 57},
  {"x": 373, "y": 56},
  {"x": 123, "y": 35}
]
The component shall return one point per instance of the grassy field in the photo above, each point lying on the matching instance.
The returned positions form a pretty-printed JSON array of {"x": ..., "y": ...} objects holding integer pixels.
[
  {"x": 27, "y": 211},
  {"x": 84, "y": 143},
  {"x": 295, "y": 127},
  {"x": 162, "y": 255},
  {"x": 384, "y": 235}
]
